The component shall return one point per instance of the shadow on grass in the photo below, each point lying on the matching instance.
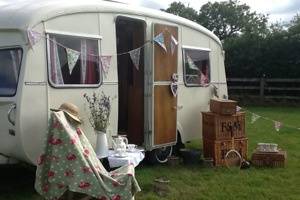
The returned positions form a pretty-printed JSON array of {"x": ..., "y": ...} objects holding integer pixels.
[{"x": 17, "y": 182}]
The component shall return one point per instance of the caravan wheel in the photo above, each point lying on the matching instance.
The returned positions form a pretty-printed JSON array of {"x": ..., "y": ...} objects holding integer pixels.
[{"x": 161, "y": 155}]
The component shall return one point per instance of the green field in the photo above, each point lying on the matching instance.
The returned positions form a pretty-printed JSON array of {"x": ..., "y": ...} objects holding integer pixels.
[{"x": 198, "y": 182}]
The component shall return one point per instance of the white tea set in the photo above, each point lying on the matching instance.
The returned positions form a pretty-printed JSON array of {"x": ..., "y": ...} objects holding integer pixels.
[
  {"x": 121, "y": 146},
  {"x": 267, "y": 147}
]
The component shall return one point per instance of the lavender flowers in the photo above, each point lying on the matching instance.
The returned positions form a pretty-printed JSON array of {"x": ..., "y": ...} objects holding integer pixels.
[{"x": 100, "y": 108}]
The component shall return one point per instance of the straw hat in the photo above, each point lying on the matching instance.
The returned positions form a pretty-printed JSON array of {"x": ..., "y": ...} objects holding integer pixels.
[{"x": 70, "y": 109}]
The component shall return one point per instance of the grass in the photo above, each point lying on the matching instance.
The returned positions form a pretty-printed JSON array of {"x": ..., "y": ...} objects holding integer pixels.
[{"x": 198, "y": 182}]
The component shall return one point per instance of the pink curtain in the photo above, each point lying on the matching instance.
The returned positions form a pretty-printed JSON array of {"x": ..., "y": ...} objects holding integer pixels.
[{"x": 91, "y": 64}]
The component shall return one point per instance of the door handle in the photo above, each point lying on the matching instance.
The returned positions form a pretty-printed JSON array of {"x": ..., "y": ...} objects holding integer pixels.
[
  {"x": 14, "y": 106},
  {"x": 178, "y": 107}
]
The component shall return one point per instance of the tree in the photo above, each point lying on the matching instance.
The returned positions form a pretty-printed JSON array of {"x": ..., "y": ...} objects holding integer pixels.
[
  {"x": 294, "y": 26},
  {"x": 181, "y": 10},
  {"x": 230, "y": 18}
]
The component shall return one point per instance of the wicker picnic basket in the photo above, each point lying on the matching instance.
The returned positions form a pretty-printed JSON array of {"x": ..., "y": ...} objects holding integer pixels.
[
  {"x": 217, "y": 150},
  {"x": 269, "y": 159},
  {"x": 220, "y": 127}
]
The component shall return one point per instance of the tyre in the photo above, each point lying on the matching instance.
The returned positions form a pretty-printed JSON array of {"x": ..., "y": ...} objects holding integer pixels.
[
  {"x": 179, "y": 145},
  {"x": 160, "y": 155}
]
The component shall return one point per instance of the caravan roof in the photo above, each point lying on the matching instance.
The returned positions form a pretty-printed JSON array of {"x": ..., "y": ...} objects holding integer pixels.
[{"x": 23, "y": 14}]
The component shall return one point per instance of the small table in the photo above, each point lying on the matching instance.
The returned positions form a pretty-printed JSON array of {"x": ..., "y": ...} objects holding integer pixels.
[{"x": 134, "y": 157}]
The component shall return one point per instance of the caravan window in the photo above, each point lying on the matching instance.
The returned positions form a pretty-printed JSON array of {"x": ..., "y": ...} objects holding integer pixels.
[
  {"x": 73, "y": 61},
  {"x": 196, "y": 67},
  {"x": 10, "y": 62}
]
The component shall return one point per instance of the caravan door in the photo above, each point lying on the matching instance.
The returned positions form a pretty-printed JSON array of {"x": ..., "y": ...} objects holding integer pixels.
[{"x": 164, "y": 112}]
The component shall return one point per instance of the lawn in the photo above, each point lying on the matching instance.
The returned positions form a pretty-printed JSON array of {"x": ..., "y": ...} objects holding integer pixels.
[{"x": 199, "y": 182}]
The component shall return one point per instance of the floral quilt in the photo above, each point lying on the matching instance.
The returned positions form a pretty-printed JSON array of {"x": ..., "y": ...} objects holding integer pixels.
[{"x": 70, "y": 163}]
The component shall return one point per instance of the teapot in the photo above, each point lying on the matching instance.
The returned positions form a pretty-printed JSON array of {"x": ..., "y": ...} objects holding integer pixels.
[{"x": 120, "y": 143}]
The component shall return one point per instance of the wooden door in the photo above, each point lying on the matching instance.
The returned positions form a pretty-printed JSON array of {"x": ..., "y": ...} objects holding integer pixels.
[{"x": 165, "y": 103}]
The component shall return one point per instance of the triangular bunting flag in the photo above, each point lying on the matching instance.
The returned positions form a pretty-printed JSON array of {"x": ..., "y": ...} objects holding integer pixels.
[
  {"x": 105, "y": 63},
  {"x": 277, "y": 125},
  {"x": 174, "y": 88},
  {"x": 72, "y": 56},
  {"x": 33, "y": 37},
  {"x": 191, "y": 63},
  {"x": 238, "y": 109},
  {"x": 135, "y": 57},
  {"x": 160, "y": 40},
  {"x": 254, "y": 118},
  {"x": 174, "y": 44}
]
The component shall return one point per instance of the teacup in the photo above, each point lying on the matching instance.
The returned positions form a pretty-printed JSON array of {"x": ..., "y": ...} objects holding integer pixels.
[
  {"x": 131, "y": 147},
  {"x": 261, "y": 147},
  {"x": 120, "y": 152},
  {"x": 267, "y": 147},
  {"x": 273, "y": 147}
]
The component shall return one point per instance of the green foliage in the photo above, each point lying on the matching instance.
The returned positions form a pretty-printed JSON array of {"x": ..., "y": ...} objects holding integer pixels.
[
  {"x": 252, "y": 48},
  {"x": 227, "y": 19},
  {"x": 275, "y": 56},
  {"x": 295, "y": 25},
  {"x": 181, "y": 10}
]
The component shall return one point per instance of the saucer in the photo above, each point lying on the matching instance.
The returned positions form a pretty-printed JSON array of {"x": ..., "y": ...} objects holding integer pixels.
[
  {"x": 131, "y": 150},
  {"x": 124, "y": 155}
]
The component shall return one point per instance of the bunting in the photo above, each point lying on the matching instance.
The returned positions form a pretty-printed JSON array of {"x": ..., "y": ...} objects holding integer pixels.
[
  {"x": 160, "y": 40},
  {"x": 72, "y": 56},
  {"x": 238, "y": 109},
  {"x": 254, "y": 118},
  {"x": 33, "y": 37},
  {"x": 174, "y": 44},
  {"x": 105, "y": 63},
  {"x": 135, "y": 57},
  {"x": 191, "y": 63},
  {"x": 174, "y": 88},
  {"x": 277, "y": 124}
]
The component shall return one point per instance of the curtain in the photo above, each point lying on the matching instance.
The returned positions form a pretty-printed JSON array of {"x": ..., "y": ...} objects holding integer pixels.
[
  {"x": 16, "y": 62},
  {"x": 83, "y": 57},
  {"x": 55, "y": 67},
  {"x": 91, "y": 64}
]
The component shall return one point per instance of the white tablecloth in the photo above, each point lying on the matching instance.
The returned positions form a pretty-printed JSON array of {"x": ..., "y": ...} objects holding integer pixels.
[{"x": 132, "y": 158}]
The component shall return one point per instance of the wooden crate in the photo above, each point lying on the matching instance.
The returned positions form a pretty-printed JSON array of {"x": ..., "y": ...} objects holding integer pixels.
[
  {"x": 265, "y": 159},
  {"x": 223, "y": 106},
  {"x": 223, "y": 127},
  {"x": 218, "y": 149}
]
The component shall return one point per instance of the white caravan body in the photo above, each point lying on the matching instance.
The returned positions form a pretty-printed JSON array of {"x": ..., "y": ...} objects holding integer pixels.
[{"x": 143, "y": 105}]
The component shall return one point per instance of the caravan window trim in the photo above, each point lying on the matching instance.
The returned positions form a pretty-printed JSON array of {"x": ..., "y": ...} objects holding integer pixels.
[
  {"x": 66, "y": 86},
  {"x": 184, "y": 67},
  {"x": 64, "y": 33}
]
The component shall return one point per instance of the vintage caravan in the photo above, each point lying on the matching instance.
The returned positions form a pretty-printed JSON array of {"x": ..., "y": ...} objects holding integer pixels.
[{"x": 160, "y": 70}]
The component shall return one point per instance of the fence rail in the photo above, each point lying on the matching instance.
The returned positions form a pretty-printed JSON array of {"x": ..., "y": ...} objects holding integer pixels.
[{"x": 265, "y": 88}]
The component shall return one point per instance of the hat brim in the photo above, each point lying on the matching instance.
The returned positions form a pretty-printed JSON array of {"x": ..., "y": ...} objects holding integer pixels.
[{"x": 69, "y": 114}]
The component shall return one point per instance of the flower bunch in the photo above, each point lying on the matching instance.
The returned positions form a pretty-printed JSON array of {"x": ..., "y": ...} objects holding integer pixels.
[{"x": 100, "y": 108}]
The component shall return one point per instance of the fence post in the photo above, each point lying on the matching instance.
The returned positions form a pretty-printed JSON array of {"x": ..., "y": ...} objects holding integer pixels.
[{"x": 262, "y": 89}]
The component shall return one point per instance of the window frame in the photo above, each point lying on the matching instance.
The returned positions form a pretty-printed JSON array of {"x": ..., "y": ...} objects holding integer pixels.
[
  {"x": 184, "y": 67},
  {"x": 81, "y": 36},
  {"x": 20, "y": 67}
]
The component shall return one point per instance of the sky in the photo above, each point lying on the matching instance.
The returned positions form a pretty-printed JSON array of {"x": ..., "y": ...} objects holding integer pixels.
[{"x": 277, "y": 10}]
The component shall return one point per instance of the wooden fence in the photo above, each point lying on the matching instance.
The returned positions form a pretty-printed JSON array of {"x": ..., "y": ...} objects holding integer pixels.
[{"x": 264, "y": 88}]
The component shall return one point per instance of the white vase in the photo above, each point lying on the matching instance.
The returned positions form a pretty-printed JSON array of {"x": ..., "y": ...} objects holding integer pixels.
[{"x": 101, "y": 145}]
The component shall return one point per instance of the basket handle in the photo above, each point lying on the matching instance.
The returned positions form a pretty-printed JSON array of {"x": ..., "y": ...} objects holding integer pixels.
[{"x": 232, "y": 137}]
